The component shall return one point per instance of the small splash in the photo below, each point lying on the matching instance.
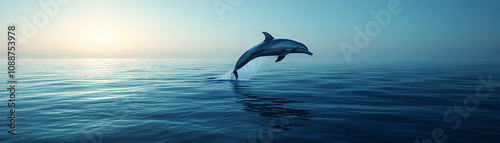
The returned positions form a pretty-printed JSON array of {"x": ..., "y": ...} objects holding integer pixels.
[{"x": 245, "y": 73}]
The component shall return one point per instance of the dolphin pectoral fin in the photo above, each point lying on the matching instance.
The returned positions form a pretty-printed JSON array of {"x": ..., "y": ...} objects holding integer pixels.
[
  {"x": 282, "y": 55},
  {"x": 279, "y": 58}
]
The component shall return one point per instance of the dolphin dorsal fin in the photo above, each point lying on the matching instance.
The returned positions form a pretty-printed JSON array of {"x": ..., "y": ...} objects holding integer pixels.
[{"x": 268, "y": 36}]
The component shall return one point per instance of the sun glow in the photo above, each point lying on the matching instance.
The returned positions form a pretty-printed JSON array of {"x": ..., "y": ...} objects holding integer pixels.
[
  {"x": 103, "y": 37},
  {"x": 100, "y": 38},
  {"x": 92, "y": 34}
]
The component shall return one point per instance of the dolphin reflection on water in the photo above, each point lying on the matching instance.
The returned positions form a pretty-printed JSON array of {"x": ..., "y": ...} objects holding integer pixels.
[
  {"x": 271, "y": 107},
  {"x": 270, "y": 47}
]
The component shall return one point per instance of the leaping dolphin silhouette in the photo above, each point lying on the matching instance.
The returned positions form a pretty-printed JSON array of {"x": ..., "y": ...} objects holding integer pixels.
[{"x": 270, "y": 47}]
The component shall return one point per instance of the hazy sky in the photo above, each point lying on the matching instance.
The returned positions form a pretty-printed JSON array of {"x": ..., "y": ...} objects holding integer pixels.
[{"x": 194, "y": 28}]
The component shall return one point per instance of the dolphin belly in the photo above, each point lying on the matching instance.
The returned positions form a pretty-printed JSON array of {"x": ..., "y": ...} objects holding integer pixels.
[{"x": 247, "y": 57}]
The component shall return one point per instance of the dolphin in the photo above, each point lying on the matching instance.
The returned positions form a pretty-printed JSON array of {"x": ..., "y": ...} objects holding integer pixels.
[{"x": 270, "y": 47}]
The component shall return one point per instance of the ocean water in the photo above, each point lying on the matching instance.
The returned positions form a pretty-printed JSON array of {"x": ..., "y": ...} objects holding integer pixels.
[{"x": 295, "y": 100}]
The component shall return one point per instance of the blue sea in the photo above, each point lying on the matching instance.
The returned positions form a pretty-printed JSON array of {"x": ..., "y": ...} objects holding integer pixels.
[{"x": 296, "y": 100}]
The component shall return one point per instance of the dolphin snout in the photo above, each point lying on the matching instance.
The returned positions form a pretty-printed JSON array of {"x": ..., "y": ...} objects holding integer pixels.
[{"x": 309, "y": 53}]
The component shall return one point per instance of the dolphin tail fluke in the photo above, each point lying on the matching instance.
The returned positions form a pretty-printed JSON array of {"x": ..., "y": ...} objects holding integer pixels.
[{"x": 235, "y": 74}]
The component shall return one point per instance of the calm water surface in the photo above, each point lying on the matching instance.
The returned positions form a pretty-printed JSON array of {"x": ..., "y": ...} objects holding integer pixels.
[{"x": 309, "y": 100}]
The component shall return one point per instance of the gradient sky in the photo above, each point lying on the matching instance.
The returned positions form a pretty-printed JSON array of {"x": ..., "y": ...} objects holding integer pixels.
[{"x": 193, "y": 28}]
